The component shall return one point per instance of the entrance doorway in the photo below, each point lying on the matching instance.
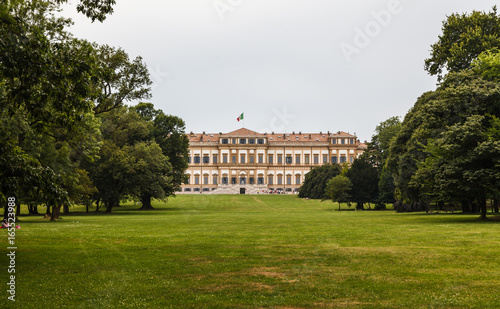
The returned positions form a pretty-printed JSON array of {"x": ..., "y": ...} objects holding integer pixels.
[{"x": 242, "y": 190}]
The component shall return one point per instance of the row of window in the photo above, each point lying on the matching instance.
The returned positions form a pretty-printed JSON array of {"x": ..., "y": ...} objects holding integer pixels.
[
  {"x": 343, "y": 141},
  {"x": 245, "y": 180},
  {"x": 278, "y": 190},
  {"x": 270, "y": 159},
  {"x": 243, "y": 141},
  {"x": 261, "y": 141}
]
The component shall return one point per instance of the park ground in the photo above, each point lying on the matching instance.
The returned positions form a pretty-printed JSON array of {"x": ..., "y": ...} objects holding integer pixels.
[{"x": 207, "y": 251}]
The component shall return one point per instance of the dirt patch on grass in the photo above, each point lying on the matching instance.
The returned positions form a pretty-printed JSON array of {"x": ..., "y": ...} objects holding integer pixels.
[{"x": 269, "y": 272}]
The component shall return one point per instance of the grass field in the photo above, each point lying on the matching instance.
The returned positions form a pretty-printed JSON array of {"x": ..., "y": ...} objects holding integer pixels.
[{"x": 255, "y": 252}]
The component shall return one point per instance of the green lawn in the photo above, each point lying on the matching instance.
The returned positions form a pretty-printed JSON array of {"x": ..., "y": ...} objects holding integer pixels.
[{"x": 255, "y": 251}]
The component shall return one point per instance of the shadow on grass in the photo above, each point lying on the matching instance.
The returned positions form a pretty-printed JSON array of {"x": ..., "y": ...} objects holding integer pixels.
[{"x": 451, "y": 218}]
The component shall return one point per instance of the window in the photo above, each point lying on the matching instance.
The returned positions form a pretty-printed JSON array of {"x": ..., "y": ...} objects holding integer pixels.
[
  {"x": 251, "y": 141},
  {"x": 351, "y": 141},
  {"x": 243, "y": 180},
  {"x": 206, "y": 189},
  {"x": 187, "y": 190},
  {"x": 252, "y": 159},
  {"x": 334, "y": 160},
  {"x": 243, "y": 141},
  {"x": 260, "y": 141},
  {"x": 270, "y": 180},
  {"x": 214, "y": 159},
  {"x": 351, "y": 159},
  {"x": 325, "y": 159},
  {"x": 233, "y": 141},
  {"x": 307, "y": 159},
  {"x": 225, "y": 180},
  {"x": 188, "y": 179},
  {"x": 189, "y": 160},
  {"x": 233, "y": 159},
  {"x": 233, "y": 180},
  {"x": 280, "y": 159},
  {"x": 316, "y": 159},
  {"x": 334, "y": 141},
  {"x": 205, "y": 180},
  {"x": 288, "y": 180},
  {"x": 297, "y": 179},
  {"x": 297, "y": 159},
  {"x": 242, "y": 158},
  {"x": 288, "y": 160},
  {"x": 224, "y": 158},
  {"x": 280, "y": 179},
  {"x": 343, "y": 159},
  {"x": 197, "y": 160},
  {"x": 196, "y": 180},
  {"x": 214, "y": 179},
  {"x": 206, "y": 159},
  {"x": 261, "y": 159},
  {"x": 196, "y": 190},
  {"x": 260, "y": 180},
  {"x": 342, "y": 141},
  {"x": 225, "y": 141},
  {"x": 270, "y": 159},
  {"x": 251, "y": 180}
]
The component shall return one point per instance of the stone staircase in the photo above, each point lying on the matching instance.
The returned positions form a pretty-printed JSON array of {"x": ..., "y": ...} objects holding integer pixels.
[{"x": 237, "y": 189}]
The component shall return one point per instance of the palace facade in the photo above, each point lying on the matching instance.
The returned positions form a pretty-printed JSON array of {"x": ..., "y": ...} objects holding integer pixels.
[{"x": 248, "y": 162}]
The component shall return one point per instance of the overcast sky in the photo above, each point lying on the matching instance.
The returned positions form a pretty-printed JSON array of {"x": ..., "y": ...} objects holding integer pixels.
[{"x": 289, "y": 65}]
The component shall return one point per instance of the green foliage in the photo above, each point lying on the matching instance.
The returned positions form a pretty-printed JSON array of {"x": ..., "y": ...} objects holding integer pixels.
[
  {"x": 315, "y": 181},
  {"x": 464, "y": 38},
  {"x": 364, "y": 178},
  {"x": 338, "y": 189}
]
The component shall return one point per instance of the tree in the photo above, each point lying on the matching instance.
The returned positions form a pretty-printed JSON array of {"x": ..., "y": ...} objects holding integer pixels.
[
  {"x": 463, "y": 162},
  {"x": 464, "y": 38},
  {"x": 364, "y": 178},
  {"x": 169, "y": 132},
  {"x": 377, "y": 154},
  {"x": 315, "y": 181},
  {"x": 338, "y": 188}
]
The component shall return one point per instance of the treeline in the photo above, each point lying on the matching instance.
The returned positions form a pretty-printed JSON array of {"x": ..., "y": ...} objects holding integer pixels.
[
  {"x": 447, "y": 148},
  {"x": 66, "y": 134}
]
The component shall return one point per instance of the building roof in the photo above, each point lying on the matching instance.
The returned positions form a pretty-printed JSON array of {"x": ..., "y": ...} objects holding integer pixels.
[{"x": 271, "y": 137}]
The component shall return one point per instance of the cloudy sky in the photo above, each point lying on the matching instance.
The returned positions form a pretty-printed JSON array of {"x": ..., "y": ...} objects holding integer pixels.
[{"x": 288, "y": 65}]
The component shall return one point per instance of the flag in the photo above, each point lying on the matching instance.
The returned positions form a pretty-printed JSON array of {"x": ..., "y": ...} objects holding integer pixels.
[{"x": 241, "y": 117}]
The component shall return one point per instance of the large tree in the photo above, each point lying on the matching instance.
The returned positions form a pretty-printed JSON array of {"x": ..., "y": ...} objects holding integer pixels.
[
  {"x": 315, "y": 181},
  {"x": 364, "y": 178},
  {"x": 169, "y": 132},
  {"x": 464, "y": 38}
]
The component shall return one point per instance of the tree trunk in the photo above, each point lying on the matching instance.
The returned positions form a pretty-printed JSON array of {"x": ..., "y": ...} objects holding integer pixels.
[
  {"x": 110, "y": 206},
  {"x": 495, "y": 205},
  {"x": 33, "y": 209},
  {"x": 146, "y": 202},
  {"x": 55, "y": 212},
  {"x": 473, "y": 207},
  {"x": 465, "y": 207},
  {"x": 440, "y": 205},
  {"x": 66, "y": 209},
  {"x": 359, "y": 206},
  {"x": 47, "y": 213},
  {"x": 97, "y": 205},
  {"x": 482, "y": 207}
]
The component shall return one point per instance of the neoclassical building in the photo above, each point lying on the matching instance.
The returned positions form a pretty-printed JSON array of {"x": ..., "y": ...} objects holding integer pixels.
[{"x": 248, "y": 162}]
